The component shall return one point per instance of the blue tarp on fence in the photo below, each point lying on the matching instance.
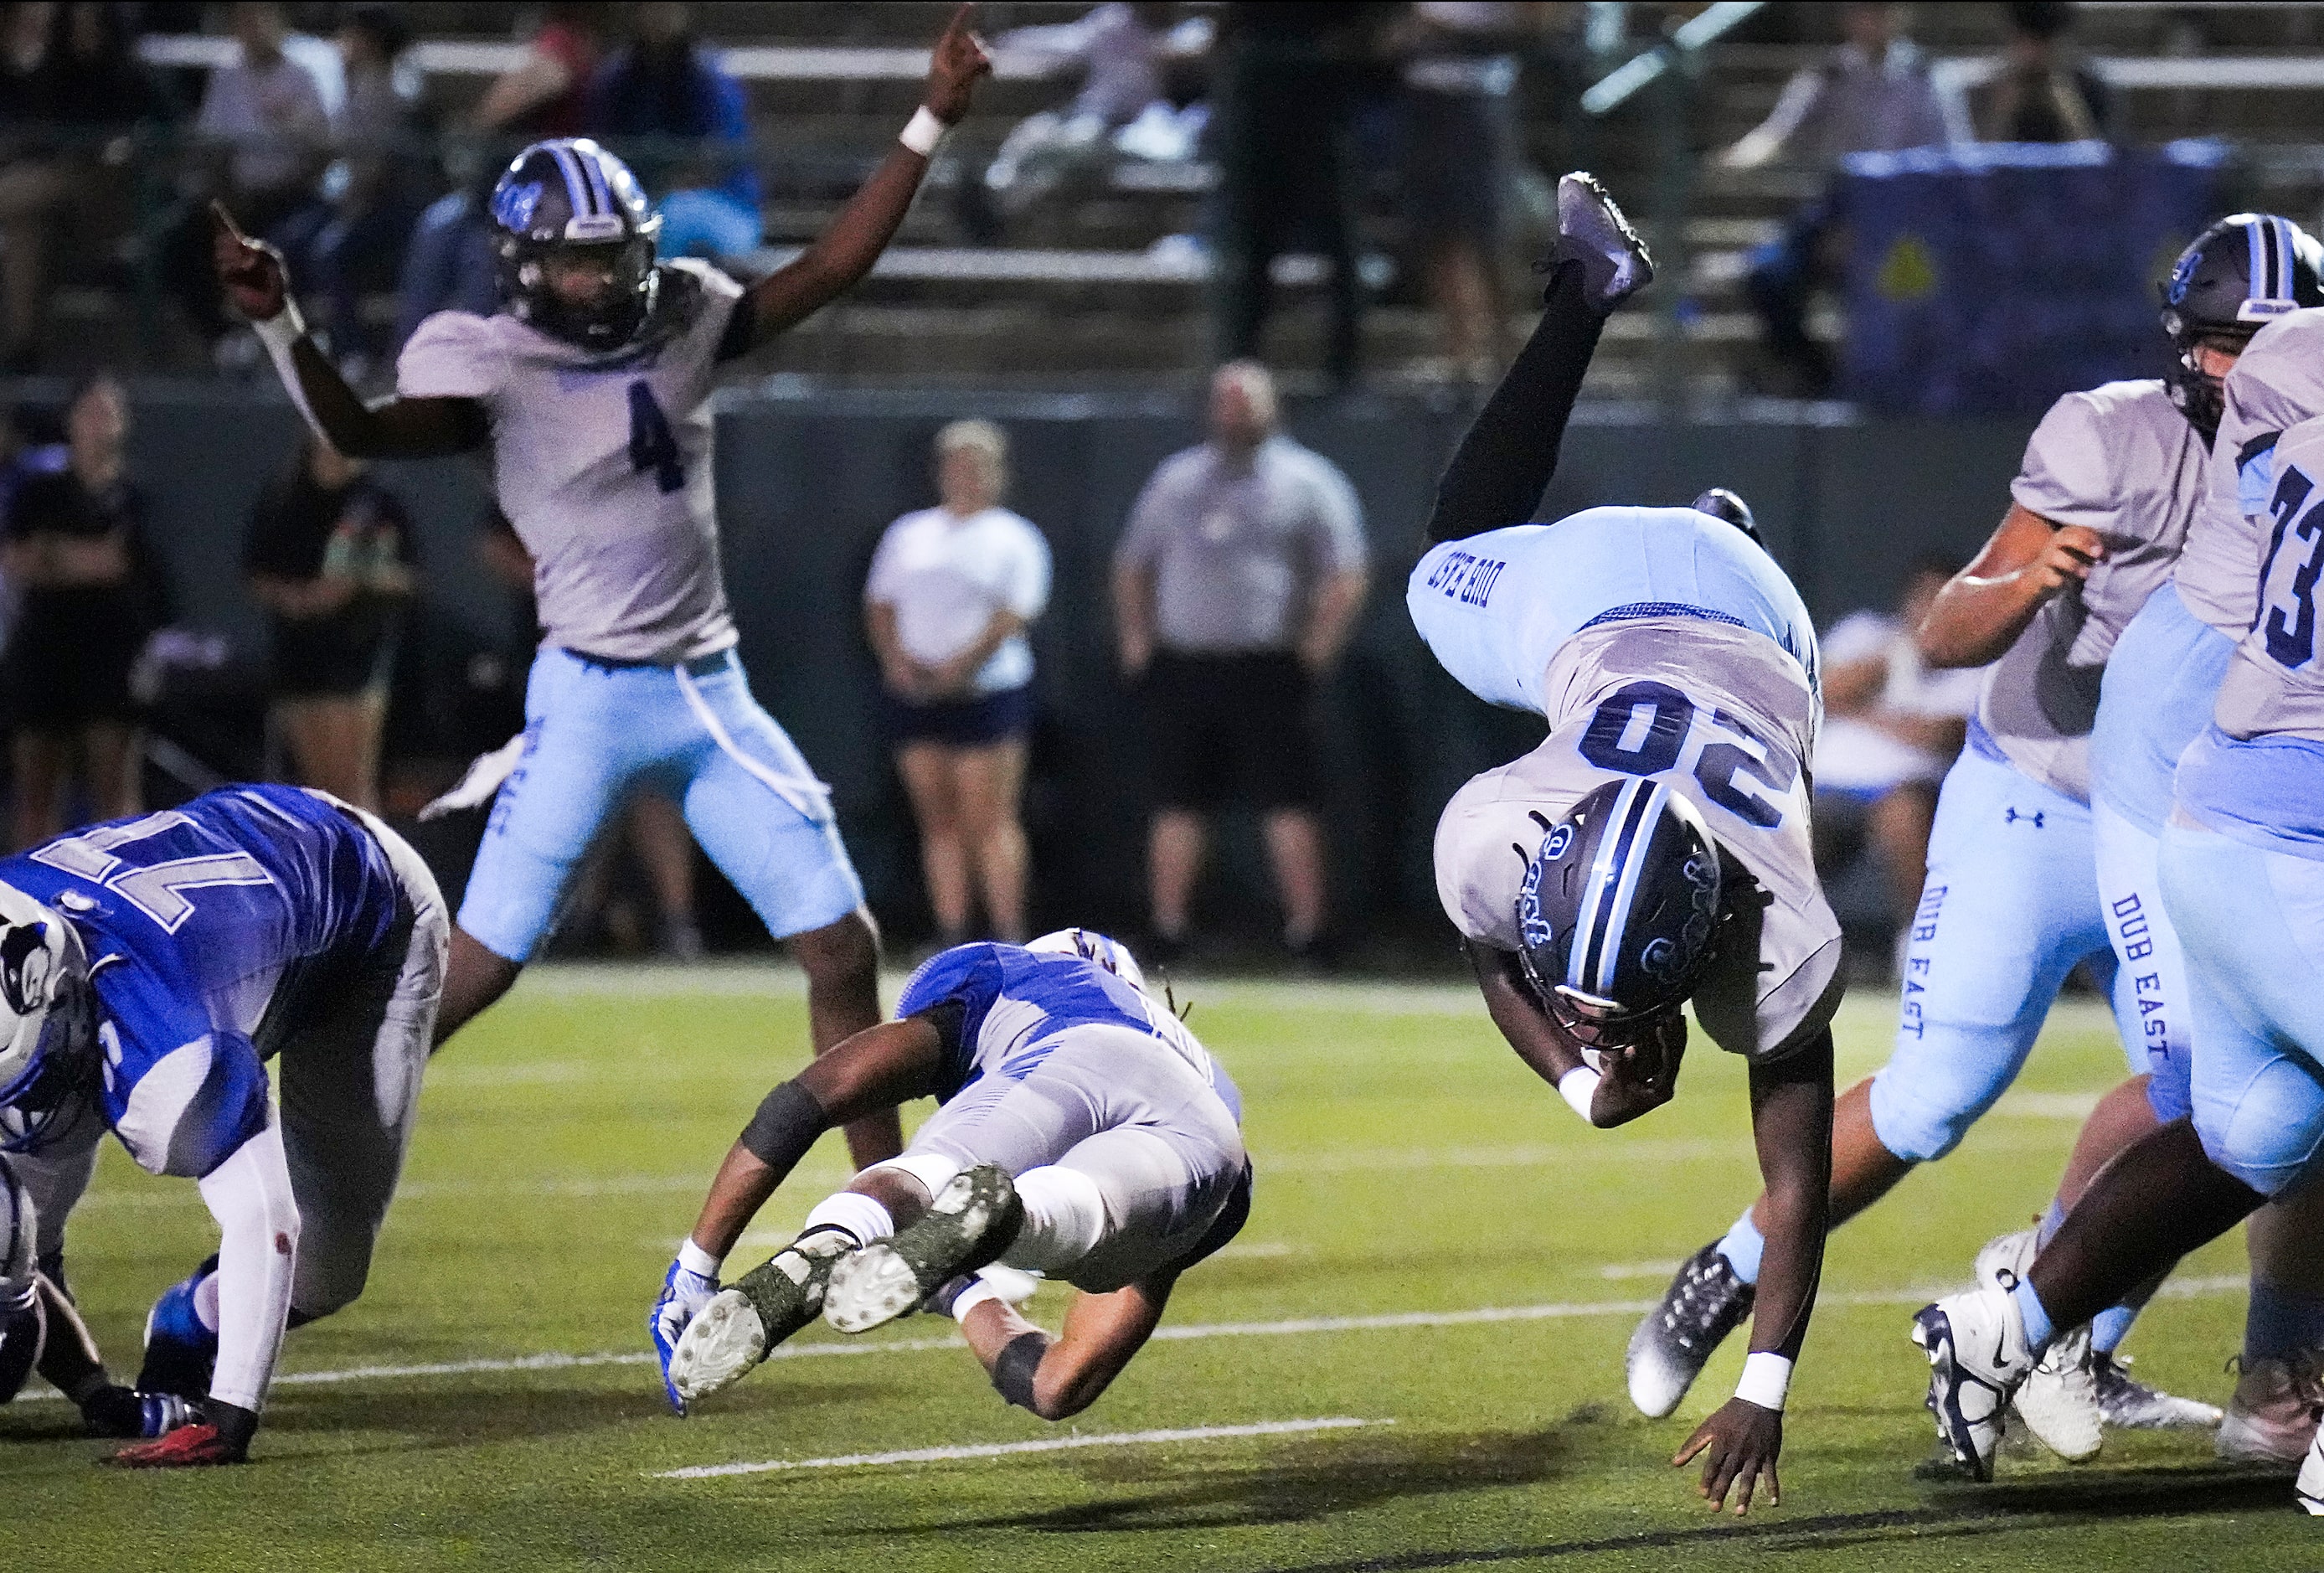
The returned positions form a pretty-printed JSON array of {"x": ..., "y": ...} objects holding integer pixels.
[{"x": 1990, "y": 279}]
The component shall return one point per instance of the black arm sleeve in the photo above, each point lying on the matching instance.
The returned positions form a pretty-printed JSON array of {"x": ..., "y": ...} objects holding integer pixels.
[
  {"x": 741, "y": 334},
  {"x": 787, "y": 1125},
  {"x": 1497, "y": 472}
]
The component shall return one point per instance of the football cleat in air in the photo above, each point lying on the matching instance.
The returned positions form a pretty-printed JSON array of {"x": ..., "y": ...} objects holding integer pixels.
[
  {"x": 735, "y": 1332},
  {"x": 1593, "y": 231},
  {"x": 2309, "y": 1490},
  {"x": 2272, "y": 1419},
  {"x": 2128, "y": 1404},
  {"x": 180, "y": 1351},
  {"x": 1704, "y": 1303},
  {"x": 2060, "y": 1401},
  {"x": 971, "y": 1222},
  {"x": 1976, "y": 1345},
  {"x": 683, "y": 1295}
]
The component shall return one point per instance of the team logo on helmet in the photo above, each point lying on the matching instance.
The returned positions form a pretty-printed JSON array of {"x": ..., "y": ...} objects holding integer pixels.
[
  {"x": 26, "y": 973},
  {"x": 513, "y": 204},
  {"x": 2181, "y": 276}
]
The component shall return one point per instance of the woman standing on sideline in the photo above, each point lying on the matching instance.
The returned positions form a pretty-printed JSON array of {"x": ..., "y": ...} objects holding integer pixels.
[
  {"x": 330, "y": 556},
  {"x": 952, "y": 590},
  {"x": 74, "y": 545}
]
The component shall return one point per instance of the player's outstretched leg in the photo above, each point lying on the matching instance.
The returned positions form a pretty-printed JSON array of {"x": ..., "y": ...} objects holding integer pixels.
[{"x": 970, "y": 1223}]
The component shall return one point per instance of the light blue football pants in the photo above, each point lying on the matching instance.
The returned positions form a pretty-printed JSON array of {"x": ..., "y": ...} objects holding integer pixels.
[
  {"x": 2252, "y": 924},
  {"x": 593, "y": 732},
  {"x": 2161, "y": 681},
  {"x": 2010, "y": 906}
]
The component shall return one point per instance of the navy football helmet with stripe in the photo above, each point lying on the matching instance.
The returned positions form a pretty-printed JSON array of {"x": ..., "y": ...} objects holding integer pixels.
[
  {"x": 1618, "y": 908},
  {"x": 567, "y": 195},
  {"x": 2239, "y": 275}
]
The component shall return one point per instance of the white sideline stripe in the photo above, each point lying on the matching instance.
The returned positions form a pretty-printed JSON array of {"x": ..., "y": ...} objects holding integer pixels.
[
  {"x": 1004, "y": 1449},
  {"x": 2176, "y": 1288}
]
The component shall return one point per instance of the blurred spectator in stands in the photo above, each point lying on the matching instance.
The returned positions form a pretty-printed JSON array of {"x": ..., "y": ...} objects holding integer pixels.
[
  {"x": 69, "y": 86},
  {"x": 75, "y": 544},
  {"x": 1235, "y": 585},
  {"x": 1891, "y": 727},
  {"x": 353, "y": 243},
  {"x": 1287, "y": 80},
  {"x": 450, "y": 263},
  {"x": 544, "y": 94},
  {"x": 664, "y": 88},
  {"x": 1459, "y": 71},
  {"x": 952, "y": 590},
  {"x": 1123, "y": 109},
  {"x": 330, "y": 555},
  {"x": 2046, "y": 92},
  {"x": 264, "y": 120},
  {"x": 1873, "y": 94}
]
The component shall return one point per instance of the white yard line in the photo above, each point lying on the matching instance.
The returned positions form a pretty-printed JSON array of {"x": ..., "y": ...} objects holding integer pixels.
[
  {"x": 2176, "y": 1288},
  {"x": 1044, "y": 1445}
]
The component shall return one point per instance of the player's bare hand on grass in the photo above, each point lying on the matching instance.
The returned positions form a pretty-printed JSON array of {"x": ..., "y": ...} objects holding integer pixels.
[
  {"x": 1739, "y": 1447},
  {"x": 1640, "y": 1077},
  {"x": 252, "y": 271},
  {"x": 2072, "y": 553},
  {"x": 959, "y": 59}
]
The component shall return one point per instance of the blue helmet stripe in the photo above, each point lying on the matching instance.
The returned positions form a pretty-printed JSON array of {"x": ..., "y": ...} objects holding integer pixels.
[
  {"x": 1585, "y": 958},
  {"x": 1633, "y": 864},
  {"x": 576, "y": 190},
  {"x": 2282, "y": 230},
  {"x": 593, "y": 165},
  {"x": 2255, "y": 263}
]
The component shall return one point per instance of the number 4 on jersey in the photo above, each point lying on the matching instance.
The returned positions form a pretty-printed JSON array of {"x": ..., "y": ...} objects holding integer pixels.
[{"x": 654, "y": 445}]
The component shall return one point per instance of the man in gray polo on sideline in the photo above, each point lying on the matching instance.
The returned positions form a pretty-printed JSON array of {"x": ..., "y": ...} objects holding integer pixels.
[{"x": 1234, "y": 587}]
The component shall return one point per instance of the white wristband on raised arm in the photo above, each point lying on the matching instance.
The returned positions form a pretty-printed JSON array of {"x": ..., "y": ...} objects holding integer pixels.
[
  {"x": 924, "y": 133},
  {"x": 1577, "y": 1087},
  {"x": 279, "y": 333},
  {"x": 975, "y": 1295},
  {"x": 1766, "y": 1377}
]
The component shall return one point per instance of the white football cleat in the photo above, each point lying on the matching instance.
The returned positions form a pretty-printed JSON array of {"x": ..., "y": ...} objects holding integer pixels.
[
  {"x": 2309, "y": 1490},
  {"x": 2058, "y": 1403},
  {"x": 1977, "y": 1358},
  {"x": 1593, "y": 231},
  {"x": 721, "y": 1346},
  {"x": 2272, "y": 1419},
  {"x": 2128, "y": 1404},
  {"x": 972, "y": 1221}
]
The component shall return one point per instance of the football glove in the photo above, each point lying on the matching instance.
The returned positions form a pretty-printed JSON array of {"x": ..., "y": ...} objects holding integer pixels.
[{"x": 683, "y": 1295}]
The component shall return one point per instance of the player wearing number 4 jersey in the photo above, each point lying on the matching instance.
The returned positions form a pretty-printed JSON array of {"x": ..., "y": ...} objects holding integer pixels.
[
  {"x": 148, "y": 969},
  {"x": 1655, "y": 847},
  {"x": 592, "y": 389}
]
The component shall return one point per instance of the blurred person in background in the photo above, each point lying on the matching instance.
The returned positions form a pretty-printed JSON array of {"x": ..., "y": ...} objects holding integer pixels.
[
  {"x": 1459, "y": 73},
  {"x": 330, "y": 556},
  {"x": 1873, "y": 94},
  {"x": 544, "y": 94},
  {"x": 377, "y": 188},
  {"x": 952, "y": 590},
  {"x": 1235, "y": 587},
  {"x": 74, "y": 546},
  {"x": 2045, "y": 91},
  {"x": 267, "y": 134},
  {"x": 67, "y": 78},
  {"x": 1288, "y": 78},
  {"x": 665, "y": 86},
  {"x": 1893, "y": 725}
]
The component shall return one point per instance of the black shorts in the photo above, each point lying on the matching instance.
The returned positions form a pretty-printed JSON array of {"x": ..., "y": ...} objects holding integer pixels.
[
  {"x": 980, "y": 722},
  {"x": 1231, "y": 729},
  {"x": 69, "y": 663}
]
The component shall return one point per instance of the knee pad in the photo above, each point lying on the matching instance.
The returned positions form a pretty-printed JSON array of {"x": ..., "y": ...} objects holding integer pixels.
[
  {"x": 2267, "y": 1139},
  {"x": 1065, "y": 1220},
  {"x": 1921, "y": 1118}
]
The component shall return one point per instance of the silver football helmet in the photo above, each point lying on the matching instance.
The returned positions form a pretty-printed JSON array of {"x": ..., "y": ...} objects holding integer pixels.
[
  {"x": 1091, "y": 945},
  {"x": 43, "y": 995}
]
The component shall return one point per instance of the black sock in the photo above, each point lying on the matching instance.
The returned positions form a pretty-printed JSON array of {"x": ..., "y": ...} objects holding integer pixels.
[{"x": 1500, "y": 470}]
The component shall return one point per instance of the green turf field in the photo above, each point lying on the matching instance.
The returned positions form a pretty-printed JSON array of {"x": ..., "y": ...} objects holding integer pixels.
[{"x": 489, "y": 1402}]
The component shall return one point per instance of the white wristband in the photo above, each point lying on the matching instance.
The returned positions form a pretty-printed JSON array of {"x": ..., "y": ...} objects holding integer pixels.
[
  {"x": 699, "y": 1262},
  {"x": 1766, "y": 1377},
  {"x": 924, "y": 133},
  {"x": 279, "y": 333},
  {"x": 1577, "y": 1087},
  {"x": 975, "y": 1295}
]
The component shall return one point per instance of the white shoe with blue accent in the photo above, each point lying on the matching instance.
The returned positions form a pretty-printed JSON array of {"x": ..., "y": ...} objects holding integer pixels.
[{"x": 1978, "y": 1359}]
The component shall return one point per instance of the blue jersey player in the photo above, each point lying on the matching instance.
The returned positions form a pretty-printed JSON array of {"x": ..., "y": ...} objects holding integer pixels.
[
  {"x": 148, "y": 970},
  {"x": 1080, "y": 1132},
  {"x": 592, "y": 389}
]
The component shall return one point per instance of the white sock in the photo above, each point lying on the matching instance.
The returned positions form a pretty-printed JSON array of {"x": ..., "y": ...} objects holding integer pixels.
[
  {"x": 1065, "y": 1220},
  {"x": 862, "y": 1218}
]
